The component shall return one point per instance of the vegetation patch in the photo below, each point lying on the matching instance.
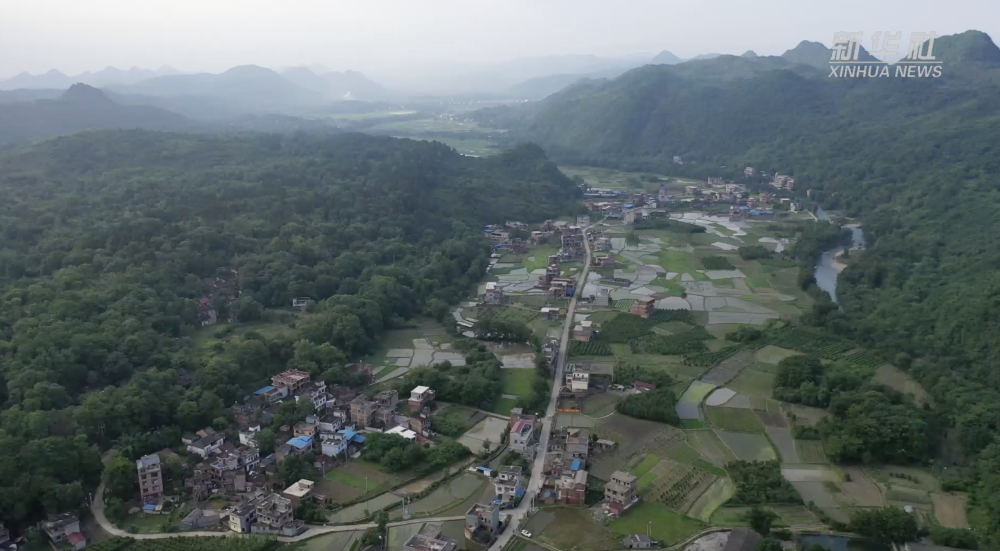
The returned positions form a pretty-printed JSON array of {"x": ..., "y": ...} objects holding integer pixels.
[
  {"x": 759, "y": 482},
  {"x": 748, "y": 446},
  {"x": 734, "y": 419},
  {"x": 666, "y": 526},
  {"x": 517, "y": 382},
  {"x": 717, "y": 263},
  {"x": 710, "y": 446},
  {"x": 593, "y": 347}
]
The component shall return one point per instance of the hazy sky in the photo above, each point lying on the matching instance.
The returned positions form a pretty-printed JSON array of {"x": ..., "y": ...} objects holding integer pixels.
[{"x": 383, "y": 36}]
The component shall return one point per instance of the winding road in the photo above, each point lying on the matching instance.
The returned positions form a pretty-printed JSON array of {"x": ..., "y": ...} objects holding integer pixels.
[{"x": 534, "y": 485}]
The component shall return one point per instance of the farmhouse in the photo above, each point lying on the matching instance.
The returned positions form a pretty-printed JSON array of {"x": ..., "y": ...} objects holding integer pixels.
[
  {"x": 572, "y": 485},
  {"x": 298, "y": 492},
  {"x": 430, "y": 539},
  {"x": 494, "y": 294},
  {"x": 363, "y": 411},
  {"x": 274, "y": 516},
  {"x": 150, "y": 478},
  {"x": 508, "y": 485},
  {"x": 620, "y": 493},
  {"x": 578, "y": 381},
  {"x": 749, "y": 171},
  {"x": 482, "y": 522},
  {"x": 644, "y": 307},
  {"x": 603, "y": 297},
  {"x": 550, "y": 314},
  {"x": 294, "y": 379},
  {"x": 583, "y": 331},
  {"x": 206, "y": 445},
  {"x": 638, "y": 541},
  {"x": 60, "y": 527},
  {"x": 522, "y": 437},
  {"x": 419, "y": 397}
]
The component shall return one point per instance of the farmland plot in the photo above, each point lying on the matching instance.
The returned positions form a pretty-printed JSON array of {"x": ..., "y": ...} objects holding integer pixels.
[
  {"x": 782, "y": 439},
  {"x": 710, "y": 446},
  {"x": 729, "y": 368},
  {"x": 754, "y": 382},
  {"x": 687, "y": 405},
  {"x": 949, "y": 509},
  {"x": 734, "y": 419},
  {"x": 893, "y": 377},
  {"x": 772, "y": 419},
  {"x": 718, "y": 493},
  {"x": 771, "y": 354},
  {"x": 861, "y": 490},
  {"x": 748, "y": 447}
]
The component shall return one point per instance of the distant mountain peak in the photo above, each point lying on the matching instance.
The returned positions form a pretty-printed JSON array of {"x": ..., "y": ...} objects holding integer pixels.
[
  {"x": 665, "y": 58},
  {"x": 750, "y": 54},
  {"x": 809, "y": 53},
  {"x": 81, "y": 93},
  {"x": 970, "y": 46}
]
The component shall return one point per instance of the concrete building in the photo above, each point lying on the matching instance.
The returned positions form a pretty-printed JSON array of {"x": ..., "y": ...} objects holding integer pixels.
[
  {"x": 644, "y": 307},
  {"x": 304, "y": 429},
  {"x": 298, "y": 492},
  {"x": 430, "y": 539},
  {"x": 363, "y": 411},
  {"x": 387, "y": 399},
  {"x": 583, "y": 331},
  {"x": 508, "y": 485},
  {"x": 571, "y": 487},
  {"x": 522, "y": 437},
  {"x": 150, "y": 478},
  {"x": 483, "y": 517},
  {"x": 292, "y": 378},
  {"x": 242, "y": 516},
  {"x": 620, "y": 492},
  {"x": 603, "y": 297},
  {"x": 60, "y": 526},
  {"x": 419, "y": 397},
  {"x": 578, "y": 381},
  {"x": 274, "y": 515},
  {"x": 207, "y": 445},
  {"x": 550, "y": 314},
  {"x": 749, "y": 171},
  {"x": 494, "y": 294}
]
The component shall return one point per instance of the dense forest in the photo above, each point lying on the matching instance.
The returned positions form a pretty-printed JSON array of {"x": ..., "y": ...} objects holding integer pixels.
[
  {"x": 916, "y": 161},
  {"x": 107, "y": 239}
]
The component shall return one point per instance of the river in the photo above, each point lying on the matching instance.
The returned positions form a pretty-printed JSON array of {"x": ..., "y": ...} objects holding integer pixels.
[{"x": 828, "y": 268}]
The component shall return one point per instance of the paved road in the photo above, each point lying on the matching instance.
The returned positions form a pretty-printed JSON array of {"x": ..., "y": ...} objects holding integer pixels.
[
  {"x": 534, "y": 485},
  {"x": 98, "y": 509}
]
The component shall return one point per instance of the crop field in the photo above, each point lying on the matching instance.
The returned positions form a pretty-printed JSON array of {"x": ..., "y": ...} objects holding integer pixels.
[
  {"x": 729, "y": 368},
  {"x": 717, "y": 263},
  {"x": 624, "y": 328},
  {"x": 916, "y": 497},
  {"x": 664, "y": 524},
  {"x": 754, "y": 382},
  {"x": 811, "y": 451},
  {"x": 771, "y": 354},
  {"x": 825, "y": 346},
  {"x": 508, "y": 313},
  {"x": 893, "y": 377},
  {"x": 949, "y": 509},
  {"x": 664, "y": 316},
  {"x": 772, "y": 419},
  {"x": 906, "y": 477},
  {"x": 676, "y": 485},
  {"x": 711, "y": 446},
  {"x": 797, "y": 517},
  {"x": 747, "y": 446},
  {"x": 782, "y": 439},
  {"x": 571, "y": 529},
  {"x": 452, "y": 493},
  {"x": 631, "y": 435},
  {"x": 861, "y": 490},
  {"x": 675, "y": 345},
  {"x": 709, "y": 359},
  {"x": 185, "y": 544},
  {"x": 677, "y": 261},
  {"x": 603, "y": 316},
  {"x": 599, "y": 405},
  {"x": 541, "y": 255},
  {"x": 864, "y": 359},
  {"x": 818, "y": 494},
  {"x": 718, "y": 493},
  {"x": 647, "y": 463},
  {"x": 734, "y": 419},
  {"x": 502, "y": 406},
  {"x": 517, "y": 381},
  {"x": 622, "y": 304},
  {"x": 337, "y": 541},
  {"x": 589, "y": 348}
]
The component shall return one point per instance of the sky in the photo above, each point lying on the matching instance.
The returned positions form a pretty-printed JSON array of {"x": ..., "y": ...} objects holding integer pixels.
[{"x": 407, "y": 36}]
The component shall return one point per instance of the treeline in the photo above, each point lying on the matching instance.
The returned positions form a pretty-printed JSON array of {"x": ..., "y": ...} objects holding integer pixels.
[
  {"x": 476, "y": 384},
  {"x": 108, "y": 238},
  {"x": 395, "y": 453},
  {"x": 654, "y": 405}
]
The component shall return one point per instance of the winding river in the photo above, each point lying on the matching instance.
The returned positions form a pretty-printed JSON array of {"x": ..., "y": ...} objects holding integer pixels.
[{"x": 828, "y": 268}]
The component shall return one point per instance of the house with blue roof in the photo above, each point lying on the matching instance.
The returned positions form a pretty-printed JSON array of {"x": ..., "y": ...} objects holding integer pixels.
[{"x": 509, "y": 486}]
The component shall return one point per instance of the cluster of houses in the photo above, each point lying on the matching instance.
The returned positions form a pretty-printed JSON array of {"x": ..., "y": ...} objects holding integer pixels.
[{"x": 332, "y": 432}]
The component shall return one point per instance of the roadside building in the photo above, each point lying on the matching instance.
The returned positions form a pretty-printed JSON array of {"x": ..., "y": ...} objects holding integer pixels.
[
  {"x": 298, "y": 492},
  {"x": 572, "y": 485},
  {"x": 494, "y": 293},
  {"x": 583, "y": 331},
  {"x": 522, "y": 437},
  {"x": 150, "y": 478},
  {"x": 430, "y": 539},
  {"x": 620, "y": 492},
  {"x": 638, "y": 541},
  {"x": 60, "y": 527},
  {"x": 508, "y": 485}
]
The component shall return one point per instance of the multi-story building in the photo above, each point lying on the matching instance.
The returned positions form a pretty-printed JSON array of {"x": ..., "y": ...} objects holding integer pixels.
[
  {"x": 207, "y": 445},
  {"x": 150, "y": 478},
  {"x": 571, "y": 487},
  {"x": 294, "y": 379},
  {"x": 61, "y": 526},
  {"x": 304, "y": 429},
  {"x": 298, "y": 492},
  {"x": 578, "y": 381},
  {"x": 749, "y": 171},
  {"x": 644, "y": 307},
  {"x": 583, "y": 331},
  {"x": 419, "y": 397},
  {"x": 242, "y": 516},
  {"x": 482, "y": 517},
  {"x": 620, "y": 492},
  {"x": 522, "y": 436},
  {"x": 603, "y": 297},
  {"x": 315, "y": 392},
  {"x": 274, "y": 514},
  {"x": 363, "y": 411},
  {"x": 494, "y": 294},
  {"x": 508, "y": 485}
]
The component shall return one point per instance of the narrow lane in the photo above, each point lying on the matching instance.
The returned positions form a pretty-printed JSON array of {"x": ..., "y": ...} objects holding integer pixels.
[{"x": 534, "y": 485}]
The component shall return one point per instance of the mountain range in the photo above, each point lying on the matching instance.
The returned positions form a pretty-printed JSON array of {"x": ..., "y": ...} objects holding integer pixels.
[{"x": 54, "y": 79}]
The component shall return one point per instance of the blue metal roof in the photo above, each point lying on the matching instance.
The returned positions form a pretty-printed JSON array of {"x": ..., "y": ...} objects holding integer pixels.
[
  {"x": 301, "y": 442},
  {"x": 149, "y": 507},
  {"x": 486, "y": 470},
  {"x": 628, "y": 205},
  {"x": 264, "y": 390},
  {"x": 359, "y": 438},
  {"x": 348, "y": 433},
  {"x": 576, "y": 465},
  {"x": 519, "y": 492}
]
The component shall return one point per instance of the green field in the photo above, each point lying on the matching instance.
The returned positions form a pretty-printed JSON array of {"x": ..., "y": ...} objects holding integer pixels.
[
  {"x": 677, "y": 261},
  {"x": 753, "y": 382},
  {"x": 645, "y": 465},
  {"x": 350, "y": 479},
  {"x": 734, "y": 419},
  {"x": 810, "y": 451},
  {"x": 666, "y": 525},
  {"x": 517, "y": 381},
  {"x": 697, "y": 392},
  {"x": 541, "y": 255},
  {"x": 504, "y": 405}
]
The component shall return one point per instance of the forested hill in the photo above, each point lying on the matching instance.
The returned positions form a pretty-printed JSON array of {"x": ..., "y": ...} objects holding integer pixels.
[
  {"x": 106, "y": 238},
  {"x": 916, "y": 160}
]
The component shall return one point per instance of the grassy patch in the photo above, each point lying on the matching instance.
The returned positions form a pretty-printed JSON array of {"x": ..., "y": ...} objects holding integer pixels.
[
  {"x": 504, "y": 405},
  {"x": 810, "y": 451},
  {"x": 693, "y": 424},
  {"x": 645, "y": 465},
  {"x": 734, "y": 419},
  {"x": 517, "y": 381},
  {"x": 754, "y": 383},
  {"x": 350, "y": 479},
  {"x": 677, "y": 261},
  {"x": 541, "y": 255},
  {"x": 673, "y": 288},
  {"x": 683, "y": 453},
  {"x": 666, "y": 525}
]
